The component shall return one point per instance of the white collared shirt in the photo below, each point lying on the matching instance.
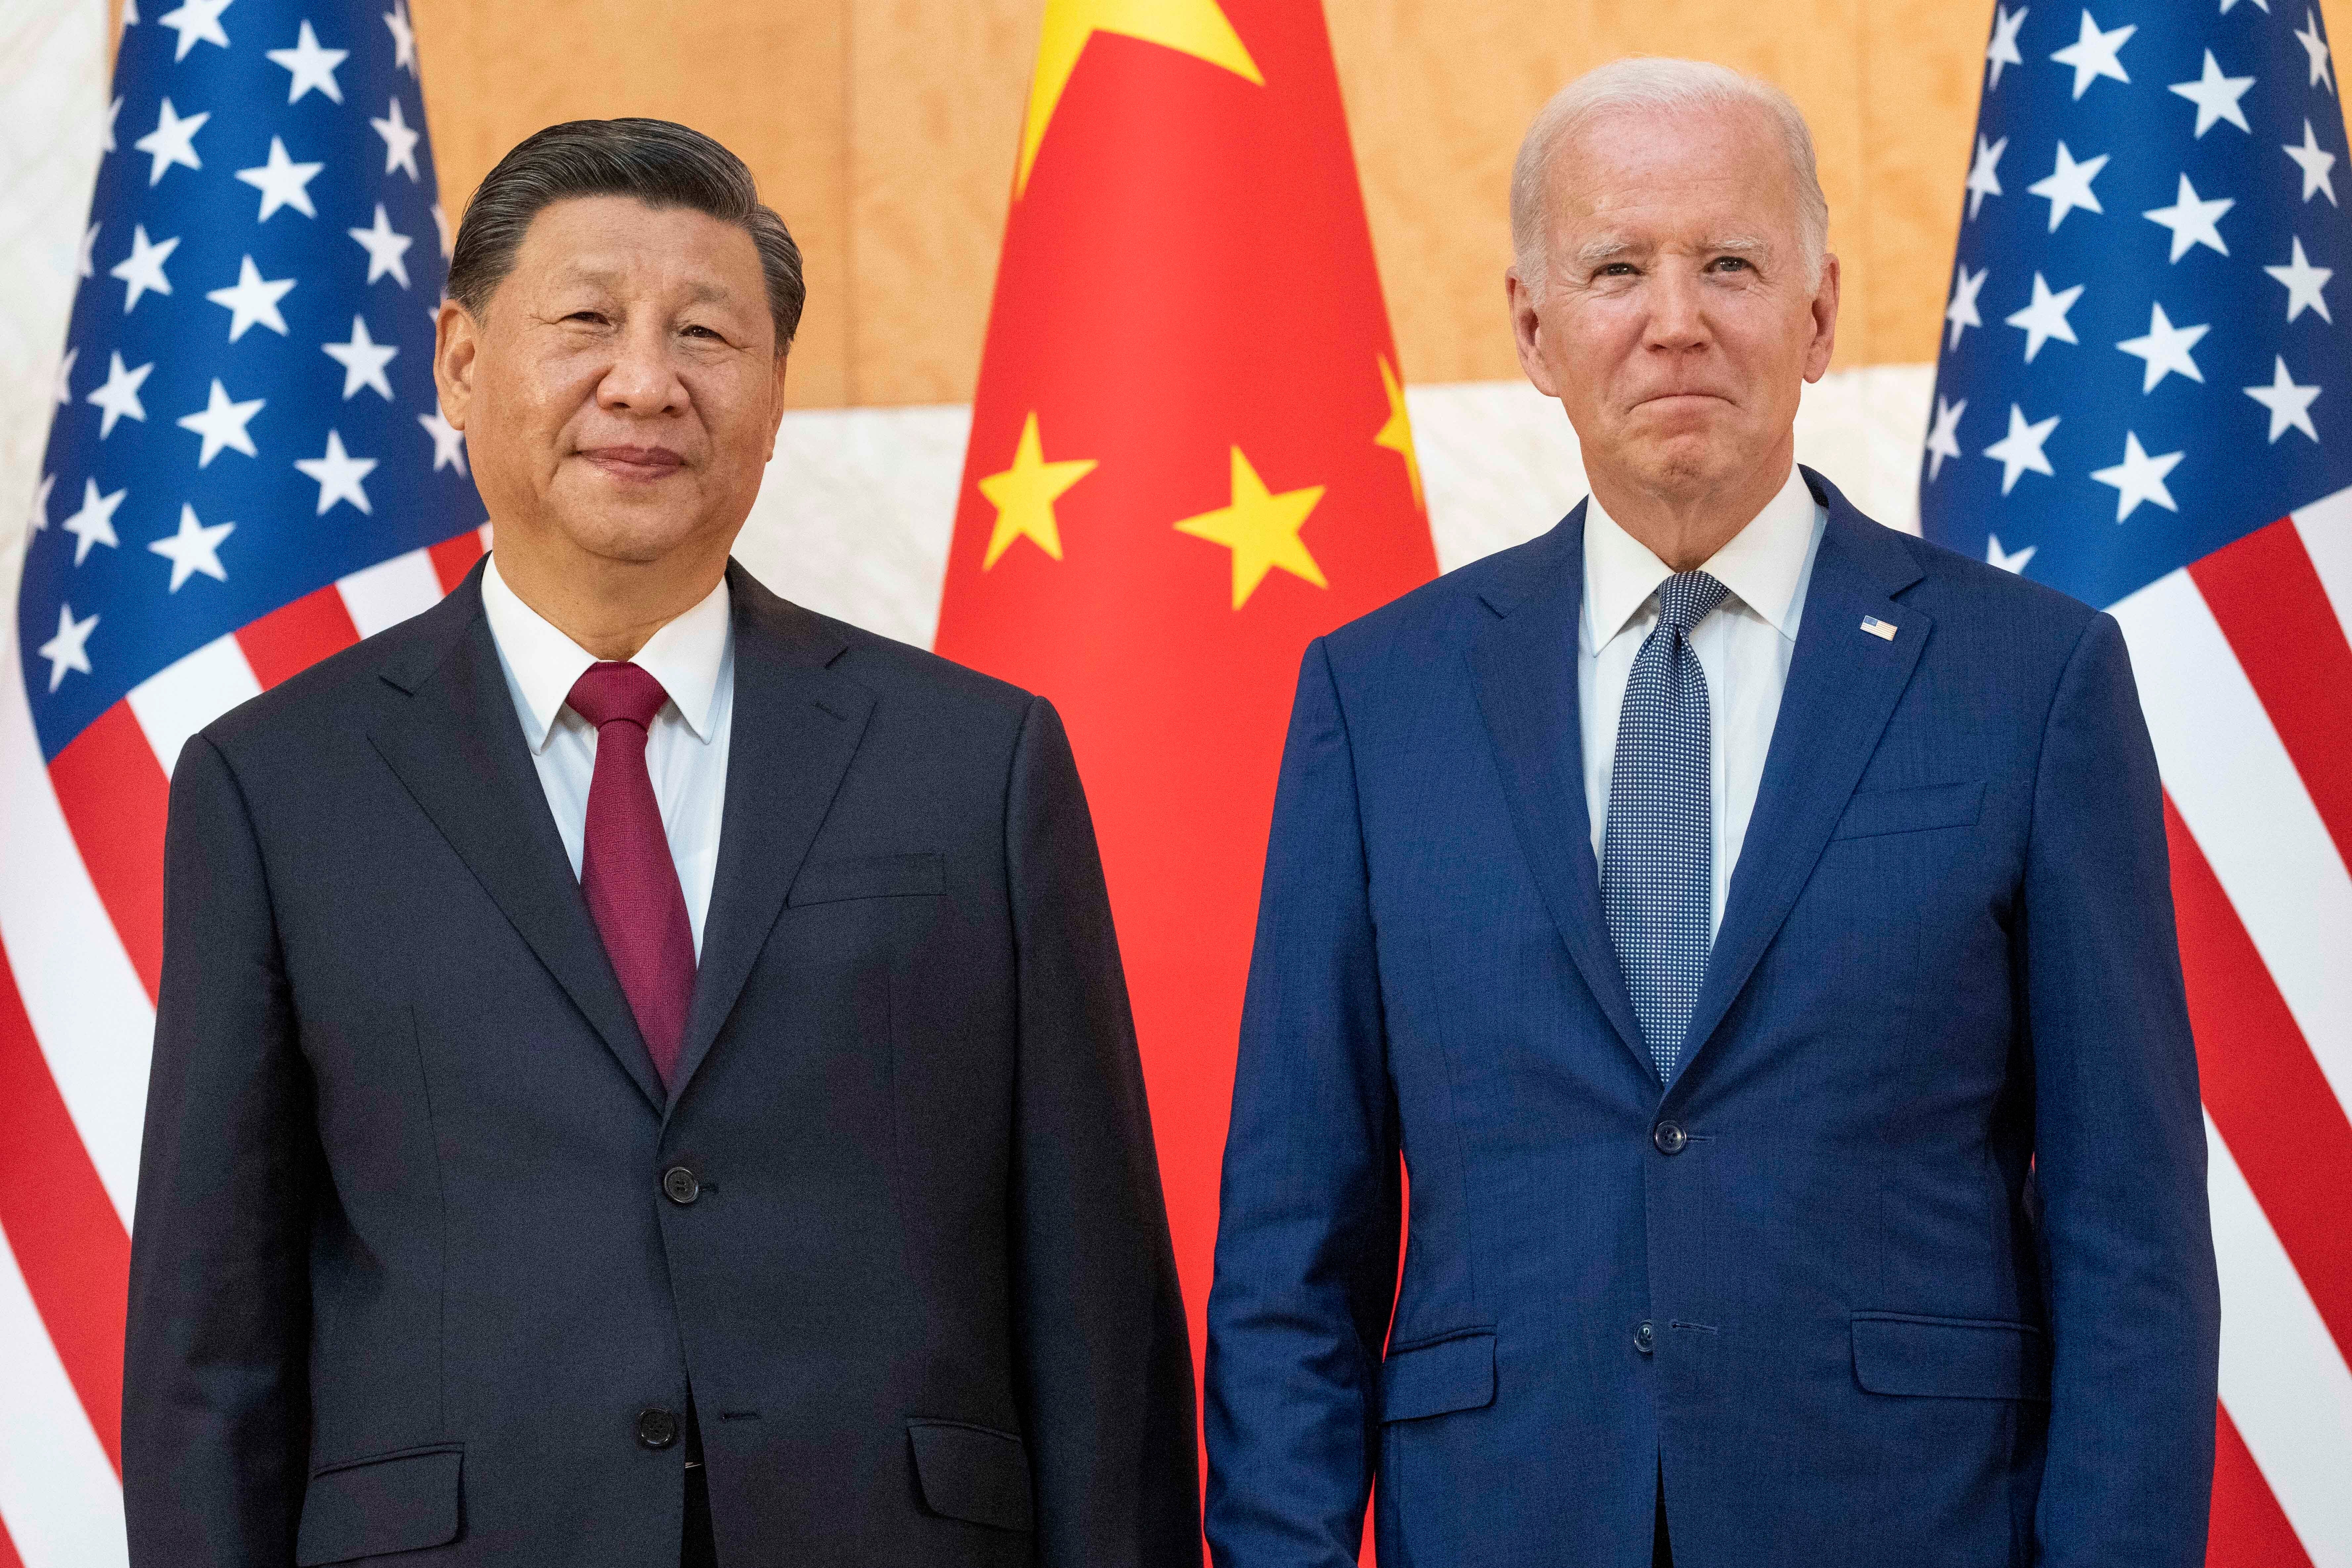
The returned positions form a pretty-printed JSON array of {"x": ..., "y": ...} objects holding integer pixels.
[
  {"x": 685, "y": 751},
  {"x": 1743, "y": 645}
]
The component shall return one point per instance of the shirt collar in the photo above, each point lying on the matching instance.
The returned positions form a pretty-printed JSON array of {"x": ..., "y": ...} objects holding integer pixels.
[
  {"x": 1762, "y": 564},
  {"x": 685, "y": 656}
]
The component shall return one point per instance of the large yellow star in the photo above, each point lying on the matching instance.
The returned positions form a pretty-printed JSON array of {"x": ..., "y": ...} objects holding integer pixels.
[
  {"x": 1262, "y": 531},
  {"x": 1024, "y": 494},
  {"x": 1195, "y": 27},
  {"x": 1397, "y": 434}
]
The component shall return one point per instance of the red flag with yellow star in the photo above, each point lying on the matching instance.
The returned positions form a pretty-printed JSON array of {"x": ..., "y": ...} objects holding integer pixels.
[{"x": 1188, "y": 457}]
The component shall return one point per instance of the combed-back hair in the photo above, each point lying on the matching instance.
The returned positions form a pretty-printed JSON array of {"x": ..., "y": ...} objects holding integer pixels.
[
  {"x": 1645, "y": 83},
  {"x": 660, "y": 163}
]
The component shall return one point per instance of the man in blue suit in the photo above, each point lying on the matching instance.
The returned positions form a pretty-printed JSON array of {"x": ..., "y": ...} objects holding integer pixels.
[{"x": 1750, "y": 927}]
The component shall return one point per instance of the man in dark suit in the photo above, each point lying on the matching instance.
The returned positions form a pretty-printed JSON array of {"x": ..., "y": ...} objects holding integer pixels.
[
  {"x": 1749, "y": 925},
  {"x": 643, "y": 1072}
]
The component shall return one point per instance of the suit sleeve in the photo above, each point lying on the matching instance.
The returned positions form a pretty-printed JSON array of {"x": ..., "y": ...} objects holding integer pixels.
[
  {"x": 214, "y": 1398},
  {"x": 2133, "y": 1305},
  {"x": 1105, "y": 1365},
  {"x": 1308, "y": 1236}
]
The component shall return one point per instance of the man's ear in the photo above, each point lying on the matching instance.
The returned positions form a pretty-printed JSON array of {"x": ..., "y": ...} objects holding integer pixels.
[
  {"x": 457, "y": 336},
  {"x": 1825, "y": 313},
  {"x": 1526, "y": 332},
  {"x": 776, "y": 421}
]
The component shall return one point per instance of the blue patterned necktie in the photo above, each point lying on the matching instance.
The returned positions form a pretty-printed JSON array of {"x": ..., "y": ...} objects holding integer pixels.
[{"x": 1657, "y": 863}]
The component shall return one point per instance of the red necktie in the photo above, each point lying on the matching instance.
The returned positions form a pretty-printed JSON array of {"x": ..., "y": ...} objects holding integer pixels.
[{"x": 625, "y": 871}]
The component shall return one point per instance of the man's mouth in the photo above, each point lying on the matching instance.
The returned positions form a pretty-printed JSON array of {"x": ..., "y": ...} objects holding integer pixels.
[{"x": 634, "y": 462}]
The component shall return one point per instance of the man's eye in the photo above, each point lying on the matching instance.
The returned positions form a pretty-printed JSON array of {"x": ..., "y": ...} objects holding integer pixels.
[
  {"x": 702, "y": 331},
  {"x": 591, "y": 316},
  {"x": 1728, "y": 262},
  {"x": 1617, "y": 270}
]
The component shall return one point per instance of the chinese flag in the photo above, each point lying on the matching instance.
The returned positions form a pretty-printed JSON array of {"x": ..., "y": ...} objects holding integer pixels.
[{"x": 1188, "y": 457}]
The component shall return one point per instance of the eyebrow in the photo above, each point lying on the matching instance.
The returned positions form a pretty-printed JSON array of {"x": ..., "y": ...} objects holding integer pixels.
[{"x": 1599, "y": 252}]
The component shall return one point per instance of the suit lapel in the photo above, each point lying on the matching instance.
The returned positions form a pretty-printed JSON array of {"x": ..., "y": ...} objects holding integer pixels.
[
  {"x": 796, "y": 725},
  {"x": 1524, "y": 663},
  {"x": 1843, "y": 684},
  {"x": 457, "y": 747}
]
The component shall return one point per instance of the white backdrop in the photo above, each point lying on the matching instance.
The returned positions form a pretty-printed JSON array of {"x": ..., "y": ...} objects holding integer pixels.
[{"x": 854, "y": 516}]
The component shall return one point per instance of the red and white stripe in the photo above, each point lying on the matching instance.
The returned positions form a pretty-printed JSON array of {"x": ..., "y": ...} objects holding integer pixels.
[
  {"x": 81, "y": 844},
  {"x": 2244, "y": 668}
]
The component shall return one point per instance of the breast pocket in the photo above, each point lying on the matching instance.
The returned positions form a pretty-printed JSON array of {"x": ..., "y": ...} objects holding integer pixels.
[
  {"x": 868, "y": 877},
  {"x": 1873, "y": 813}
]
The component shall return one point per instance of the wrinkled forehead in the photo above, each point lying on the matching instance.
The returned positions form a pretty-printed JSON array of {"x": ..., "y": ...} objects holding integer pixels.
[{"x": 1687, "y": 175}]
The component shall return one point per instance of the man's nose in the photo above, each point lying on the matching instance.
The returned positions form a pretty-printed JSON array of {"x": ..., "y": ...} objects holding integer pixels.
[
  {"x": 1677, "y": 312},
  {"x": 642, "y": 379}
]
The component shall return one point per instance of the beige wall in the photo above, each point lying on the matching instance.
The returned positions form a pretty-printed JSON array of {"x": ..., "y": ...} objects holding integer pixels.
[{"x": 885, "y": 132}]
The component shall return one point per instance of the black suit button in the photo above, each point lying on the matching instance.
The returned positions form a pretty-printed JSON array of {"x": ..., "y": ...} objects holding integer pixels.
[
  {"x": 1645, "y": 1337},
  {"x": 1669, "y": 1136},
  {"x": 656, "y": 1429},
  {"x": 680, "y": 1185}
]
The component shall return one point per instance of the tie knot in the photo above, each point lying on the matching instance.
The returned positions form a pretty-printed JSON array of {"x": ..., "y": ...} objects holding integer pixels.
[
  {"x": 1686, "y": 598},
  {"x": 617, "y": 690}
]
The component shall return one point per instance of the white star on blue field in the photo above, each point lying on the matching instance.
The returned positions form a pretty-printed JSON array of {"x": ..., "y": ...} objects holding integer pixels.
[
  {"x": 2140, "y": 361},
  {"x": 245, "y": 408}
]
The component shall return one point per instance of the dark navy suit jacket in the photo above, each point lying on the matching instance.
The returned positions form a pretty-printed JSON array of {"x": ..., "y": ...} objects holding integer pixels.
[
  {"x": 418, "y": 1240},
  {"x": 1909, "y": 1265}
]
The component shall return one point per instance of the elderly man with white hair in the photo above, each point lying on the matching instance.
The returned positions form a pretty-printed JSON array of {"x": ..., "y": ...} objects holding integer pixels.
[{"x": 1748, "y": 929}]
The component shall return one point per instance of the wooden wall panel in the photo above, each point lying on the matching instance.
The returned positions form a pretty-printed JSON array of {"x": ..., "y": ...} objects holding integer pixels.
[
  {"x": 885, "y": 132},
  {"x": 1921, "y": 66},
  {"x": 936, "y": 92}
]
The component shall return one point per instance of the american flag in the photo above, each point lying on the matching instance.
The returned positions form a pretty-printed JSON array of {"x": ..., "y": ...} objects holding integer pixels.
[
  {"x": 247, "y": 471},
  {"x": 2144, "y": 399}
]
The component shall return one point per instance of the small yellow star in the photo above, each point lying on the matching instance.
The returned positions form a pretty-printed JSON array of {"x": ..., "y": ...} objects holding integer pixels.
[
  {"x": 1262, "y": 531},
  {"x": 1024, "y": 494},
  {"x": 1397, "y": 434},
  {"x": 1196, "y": 28}
]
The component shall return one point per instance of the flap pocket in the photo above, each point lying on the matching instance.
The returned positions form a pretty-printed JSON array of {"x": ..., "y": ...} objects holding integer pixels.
[
  {"x": 394, "y": 1502},
  {"x": 1430, "y": 1379},
  {"x": 868, "y": 877},
  {"x": 1951, "y": 1358},
  {"x": 1878, "y": 811},
  {"x": 973, "y": 1473}
]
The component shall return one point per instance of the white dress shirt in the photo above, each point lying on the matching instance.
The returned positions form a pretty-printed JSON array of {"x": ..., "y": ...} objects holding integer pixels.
[
  {"x": 1743, "y": 646},
  {"x": 686, "y": 750}
]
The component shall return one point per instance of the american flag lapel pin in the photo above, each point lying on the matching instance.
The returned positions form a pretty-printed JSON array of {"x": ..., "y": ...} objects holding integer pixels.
[{"x": 1883, "y": 630}]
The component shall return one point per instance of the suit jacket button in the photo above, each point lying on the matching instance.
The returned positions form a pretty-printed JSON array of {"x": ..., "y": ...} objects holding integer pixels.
[
  {"x": 1669, "y": 1136},
  {"x": 1645, "y": 1337},
  {"x": 680, "y": 1185},
  {"x": 657, "y": 1429}
]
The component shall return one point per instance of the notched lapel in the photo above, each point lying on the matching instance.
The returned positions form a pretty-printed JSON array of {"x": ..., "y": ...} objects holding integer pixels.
[
  {"x": 797, "y": 723},
  {"x": 1524, "y": 663},
  {"x": 457, "y": 747},
  {"x": 1843, "y": 683}
]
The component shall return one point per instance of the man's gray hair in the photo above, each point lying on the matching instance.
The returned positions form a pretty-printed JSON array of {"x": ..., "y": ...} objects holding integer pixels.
[
  {"x": 1640, "y": 84},
  {"x": 660, "y": 163}
]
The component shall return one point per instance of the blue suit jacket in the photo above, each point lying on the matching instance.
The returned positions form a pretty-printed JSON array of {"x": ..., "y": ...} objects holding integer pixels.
[{"x": 1909, "y": 1265}]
